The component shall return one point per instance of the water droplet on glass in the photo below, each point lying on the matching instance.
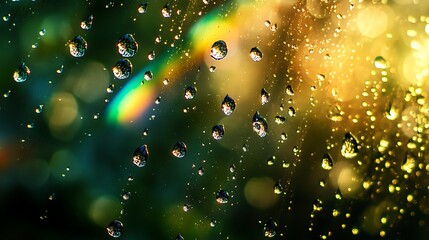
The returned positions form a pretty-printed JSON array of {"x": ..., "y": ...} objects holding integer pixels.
[
  {"x": 130, "y": 178},
  {"x": 278, "y": 188},
  {"x": 142, "y": 8},
  {"x": 270, "y": 228},
  {"x": 179, "y": 237},
  {"x": 271, "y": 160},
  {"x": 127, "y": 45},
  {"x": 186, "y": 207},
  {"x": 7, "y": 94},
  {"x": 141, "y": 155},
  {"x": 87, "y": 23},
  {"x": 206, "y": 2},
  {"x": 39, "y": 109},
  {"x": 61, "y": 69},
  {"x": 380, "y": 62},
  {"x": 213, "y": 223},
  {"x": 265, "y": 96},
  {"x": 6, "y": 17},
  {"x": 21, "y": 73},
  {"x": 166, "y": 11},
  {"x": 232, "y": 168},
  {"x": 179, "y": 150},
  {"x": 350, "y": 146},
  {"x": 320, "y": 77},
  {"x": 255, "y": 54},
  {"x": 110, "y": 88},
  {"x": 126, "y": 196},
  {"x": 291, "y": 111},
  {"x": 218, "y": 131},
  {"x": 42, "y": 32},
  {"x": 260, "y": 125},
  {"x": 114, "y": 229},
  {"x": 283, "y": 136},
  {"x": 280, "y": 119},
  {"x": 212, "y": 68},
  {"x": 335, "y": 113},
  {"x": 52, "y": 197},
  {"x": 190, "y": 92},
  {"x": 218, "y": 50},
  {"x": 122, "y": 69},
  {"x": 317, "y": 205},
  {"x": 267, "y": 23},
  {"x": 77, "y": 46},
  {"x": 228, "y": 105},
  {"x": 151, "y": 55},
  {"x": 148, "y": 75},
  {"x": 289, "y": 90},
  {"x": 409, "y": 162},
  {"x": 222, "y": 197},
  {"x": 327, "y": 162},
  {"x": 201, "y": 171}
]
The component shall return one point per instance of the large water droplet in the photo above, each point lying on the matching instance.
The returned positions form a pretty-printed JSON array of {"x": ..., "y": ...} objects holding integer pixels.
[
  {"x": 222, "y": 197},
  {"x": 142, "y": 8},
  {"x": 380, "y": 62},
  {"x": 270, "y": 228},
  {"x": 218, "y": 50},
  {"x": 350, "y": 146},
  {"x": 190, "y": 92},
  {"x": 260, "y": 125},
  {"x": 141, "y": 155},
  {"x": 122, "y": 69},
  {"x": 21, "y": 73},
  {"x": 256, "y": 54},
  {"x": 166, "y": 11},
  {"x": 218, "y": 131},
  {"x": 127, "y": 45},
  {"x": 114, "y": 229},
  {"x": 77, "y": 46},
  {"x": 87, "y": 23},
  {"x": 327, "y": 162},
  {"x": 179, "y": 150},
  {"x": 228, "y": 105},
  {"x": 265, "y": 96}
]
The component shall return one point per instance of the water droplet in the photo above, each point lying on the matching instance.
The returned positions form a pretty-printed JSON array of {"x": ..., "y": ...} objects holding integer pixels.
[
  {"x": 212, "y": 68},
  {"x": 52, "y": 197},
  {"x": 213, "y": 223},
  {"x": 228, "y": 105},
  {"x": 291, "y": 111},
  {"x": 317, "y": 205},
  {"x": 127, "y": 45},
  {"x": 39, "y": 109},
  {"x": 141, "y": 155},
  {"x": 87, "y": 23},
  {"x": 122, "y": 69},
  {"x": 278, "y": 188},
  {"x": 142, "y": 8},
  {"x": 77, "y": 46},
  {"x": 206, "y": 2},
  {"x": 380, "y": 62},
  {"x": 409, "y": 162},
  {"x": 114, "y": 229},
  {"x": 42, "y": 32},
  {"x": 335, "y": 113},
  {"x": 130, "y": 178},
  {"x": 218, "y": 131},
  {"x": 267, "y": 23},
  {"x": 21, "y": 73},
  {"x": 179, "y": 150},
  {"x": 255, "y": 54},
  {"x": 218, "y": 50},
  {"x": 190, "y": 92},
  {"x": 126, "y": 196},
  {"x": 151, "y": 55},
  {"x": 289, "y": 90},
  {"x": 232, "y": 168},
  {"x": 350, "y": 146},
  {"x": 61, "y": 69},
  {"x": 280, "y": 119},
  {"x": 265, "y": 96},
  {"x": 327, "y": 162},
  {"x": 283, "y": 136},
  {"x": 201, "y": 171},
  {"x": 110, "y": 88},
  {"x": 320, "y": 77},
  {"x": 222, "y": 197},
  {"x": 148, "y": 75},
  {"x": 7, "y": 94},
  {"x": 6, "y": 17},
  {"x": 271, "y": 160},
  {"x": 260, "y": 125},
  {"x": 166, "y": 11},
  {"x": 270, "y": 228},
  {"x": 179, "y": 237}
]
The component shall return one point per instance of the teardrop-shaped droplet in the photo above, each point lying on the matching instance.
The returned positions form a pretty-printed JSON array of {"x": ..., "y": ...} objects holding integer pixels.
[
  {"x": 218, "y": 50},
  {"x": 77, "y": 46},
  {"x": 218, "y": 131},
  {"x": 142, "y": 8},
  {"x": 260, "y": 125},
  {"x": 190, "y": 92},
  {"x": 141, "y": 155},
  {"x": 127, "y": 45},
  {"x": 222, "y": 197},
  {"x": 122, "y": 69},
  {"x": 327, "y": 162},
  {"x": 350, "y": 146},
  {"x": 270, "y": 228},
  {"x": 21, "y": 73},
  {"x": 166, "y": 11},
  {"x": 265, "y": 96},
  {"x": 255, "y": 54},
  {"x": 228, "y": 105},
  {"x": 87, "y": 23},
  {"x": 179, "y": 150},
  {"x": 114, "y": 229}
]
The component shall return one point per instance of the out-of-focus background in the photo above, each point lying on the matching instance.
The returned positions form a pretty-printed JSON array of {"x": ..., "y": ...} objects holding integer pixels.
[{"x": 328, "y": 137}]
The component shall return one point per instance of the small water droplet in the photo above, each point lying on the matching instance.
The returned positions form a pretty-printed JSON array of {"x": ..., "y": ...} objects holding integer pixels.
[
  {"x": 201, "y": 171},
  {"x": 148, "y": 75},
  {"x": 218, "y": 50},
  {"x": 270, "y": 228},
  {"x": 291, "y": 111},
  {"x": 265, "y": 96},
  {"x": 179, "y": 237},
  {"x": 179, "y": 150},
  {"x": 114, "y": 229},
  {"x": 127, "y": 45},
  {"x": 126, "y": 196},
  {"x": 228, "y": 105},
  {"x": 317, "y": 205},
  {"x": 267, "y": 23},
  {"x": 255, "y": 54},
  {"x": 260, "y": 125},
  {"x": 39, "y": 109},
  {"x": 350, "y": 146},
  {"x": 61, "y": 69},
  {"x": 6, "y": 17},
  {"x": 222, "y": 197},
  {"x": 409, "y": 162},
  {"x": 280, "y": 119},
  {"x": 7, "y": 94},
  {"x": 190, "y": 92},
  {"x": 158, "y": 100},
  {"x": 87, "y": 23},
  {"x": 327, "y": 162},
  {"x": 110, "y": 88},
  {"x": 77, "y": 46},
  {"x": 130, "y": 178},
  {"x": 213, "y": 223},
  {"x": 166, "y": 11},
  {"x": 151, "y": 55},
  {"x": 271, "y": 160},
  {"x": 186, "y": 207},
  {"x": 142, "y": 8},
  {"x": 380, "y": 62},
  {"x": 42, "y": 32},
  {"x": 289, "y": 90},
  {"x": 218, "y": 131},
  {"x": 52, "y": 197},
  {"x": 122, "y": 69},
  {"x": 141, "y": 155},
  {"x": 21, "y": 73},
  {"x": 283, "y": 136},
  {"x": 320, "y": 77},
  {"x": 278, "y": 188},
  {"x": 212, "y": 68},
  {"x": 145, "y": 132}
]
